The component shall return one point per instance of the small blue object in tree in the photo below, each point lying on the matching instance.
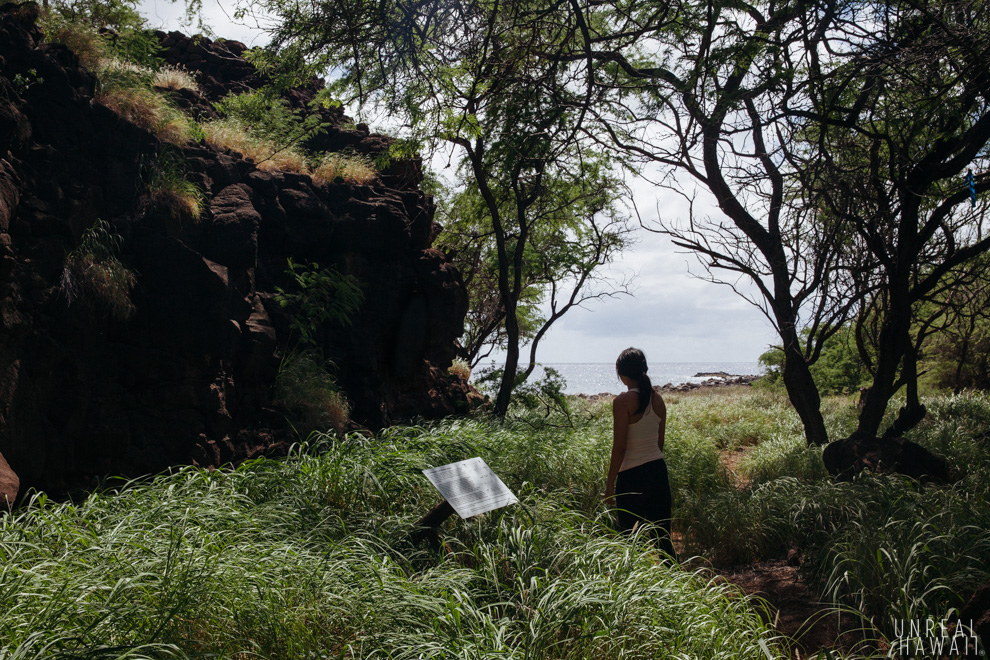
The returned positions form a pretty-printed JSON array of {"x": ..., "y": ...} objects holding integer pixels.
[{"x": 971, "y": 184}]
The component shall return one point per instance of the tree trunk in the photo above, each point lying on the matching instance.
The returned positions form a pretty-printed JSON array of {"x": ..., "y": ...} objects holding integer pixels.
[
  {"x": 803, "y": 392},
  {"x": 511, "y": 364},
  {"x": 892, "y": 345}
]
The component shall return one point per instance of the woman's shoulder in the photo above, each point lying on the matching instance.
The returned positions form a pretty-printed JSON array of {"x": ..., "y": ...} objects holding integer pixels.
[{"x": 625, "y": 399}]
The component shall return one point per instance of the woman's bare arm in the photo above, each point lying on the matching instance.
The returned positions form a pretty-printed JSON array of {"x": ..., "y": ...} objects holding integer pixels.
[
  {"x": 620, "y": 434},
  {"x": 662, "y": 431}
]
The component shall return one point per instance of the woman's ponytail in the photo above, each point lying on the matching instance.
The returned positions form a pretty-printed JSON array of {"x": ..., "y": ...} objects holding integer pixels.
[{"x": 645, "y": 392}]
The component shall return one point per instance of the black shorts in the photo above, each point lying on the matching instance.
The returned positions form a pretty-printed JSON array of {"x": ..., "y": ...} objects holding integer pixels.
[{"x": 642, "y": 494}]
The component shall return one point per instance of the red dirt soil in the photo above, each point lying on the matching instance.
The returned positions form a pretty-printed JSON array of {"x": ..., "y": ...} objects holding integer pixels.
[{"x": 792, "y": 607}]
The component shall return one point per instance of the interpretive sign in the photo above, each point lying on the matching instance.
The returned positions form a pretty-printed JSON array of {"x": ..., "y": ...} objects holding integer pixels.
[{"x": 470, "y": 487}]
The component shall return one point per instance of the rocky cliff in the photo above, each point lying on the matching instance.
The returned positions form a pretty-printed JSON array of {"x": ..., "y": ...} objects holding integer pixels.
[{"x": 188, "y": 376}]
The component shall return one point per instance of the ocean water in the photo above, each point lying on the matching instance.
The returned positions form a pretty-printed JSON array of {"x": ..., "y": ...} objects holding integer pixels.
[{"x": 598, "y": 378}]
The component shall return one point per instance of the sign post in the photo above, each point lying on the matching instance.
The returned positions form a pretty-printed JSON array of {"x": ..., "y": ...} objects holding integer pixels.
[{"x": 469, "y": 488}]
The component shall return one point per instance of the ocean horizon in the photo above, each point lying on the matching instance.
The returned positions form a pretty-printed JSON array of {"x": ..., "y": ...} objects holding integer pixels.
[{"x": 599, "y": 377}]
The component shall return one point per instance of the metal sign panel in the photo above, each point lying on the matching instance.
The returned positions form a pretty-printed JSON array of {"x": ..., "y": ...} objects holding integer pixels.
[{"x": 470, "y": 486}]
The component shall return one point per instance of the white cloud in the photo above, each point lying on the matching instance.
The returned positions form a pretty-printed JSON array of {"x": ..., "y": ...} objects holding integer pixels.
[
  {"x": 219, "y": 16},
  {"x": 672, "y": 316}
]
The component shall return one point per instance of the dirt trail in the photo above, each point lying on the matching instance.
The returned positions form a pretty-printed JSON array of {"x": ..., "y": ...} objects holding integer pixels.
[{"x": 793, "y": 606}]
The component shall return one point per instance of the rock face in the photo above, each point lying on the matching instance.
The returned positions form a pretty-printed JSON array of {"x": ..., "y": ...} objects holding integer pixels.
[
  {"x": 713, "y": 379},
  {"x": 975, "y": 615},
  {"x": 9, "y": 485},
  {"x": 188, "y": 377}
]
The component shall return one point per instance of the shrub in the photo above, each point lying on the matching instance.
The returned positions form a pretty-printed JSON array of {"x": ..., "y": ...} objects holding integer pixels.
[
  {"x": 269, "y": 121},
  {"x": 349, "y": 168},
  {"x": 121, "y": 27},
  {"x": 838, "y": 370},
  {"x": 83, "y": 40},
  {"x": 307, "y": 392},
  {"x": 322, "y": 296},
  {"x": 93, "y": 274},
  {"x": 234, "y": 135},
  {"x": 174, "y": 78},
  {"x": 534, "y": 401}
]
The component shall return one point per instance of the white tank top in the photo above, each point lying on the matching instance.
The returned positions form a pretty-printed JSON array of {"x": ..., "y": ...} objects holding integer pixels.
[{"x": 641, "y": 441}]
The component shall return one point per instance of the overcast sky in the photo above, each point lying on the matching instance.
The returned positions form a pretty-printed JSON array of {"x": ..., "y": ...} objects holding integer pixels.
[{"x": 672, "y": 316}]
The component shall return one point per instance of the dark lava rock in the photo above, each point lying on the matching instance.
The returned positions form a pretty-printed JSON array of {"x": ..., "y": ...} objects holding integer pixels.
[
  {"x": 847, "y": 457},
  {"x": 188, "y": 377},
  {"x": 976, "y": 615},
  {"x": 9, "y": 485}
]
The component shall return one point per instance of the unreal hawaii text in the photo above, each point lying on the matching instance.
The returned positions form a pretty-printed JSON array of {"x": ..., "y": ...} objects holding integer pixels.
[{"x": 919, "y": 639}]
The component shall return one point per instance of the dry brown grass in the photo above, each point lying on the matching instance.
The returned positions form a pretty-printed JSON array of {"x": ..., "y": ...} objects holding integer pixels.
[
  {"x": 139, "y": 106},
  {"x": 81, "y": 40},
  {"x": 350, "y": 168},
  {"x": 233, "y": 135},
  {"x": 174, "y": 78},
  {"x": 174, "y": 128},
  {"x": 106, "y": 285},
  {"x": 149, "y": 109},
  {"x": 170, "y": 191},
  {"x": 178, "y": 204},
  {"x": 460, "y": 368},
  {"x": 93, "y": 275}
]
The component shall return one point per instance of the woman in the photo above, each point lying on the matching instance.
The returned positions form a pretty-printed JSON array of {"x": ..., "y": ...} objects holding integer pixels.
[{"x": 637, "y": 473}]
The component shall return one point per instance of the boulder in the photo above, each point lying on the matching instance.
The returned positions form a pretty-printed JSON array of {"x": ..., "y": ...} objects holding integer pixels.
[
  {"x": 975, "y": 614},
  {"x": 850, "y": 456},
  {"x": 9, "y": 485}
]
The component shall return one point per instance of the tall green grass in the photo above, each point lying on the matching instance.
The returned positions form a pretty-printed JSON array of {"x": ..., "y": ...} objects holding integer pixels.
[
  {"x": 884, "y": 548},
  {"x": 310, "y": 557}
]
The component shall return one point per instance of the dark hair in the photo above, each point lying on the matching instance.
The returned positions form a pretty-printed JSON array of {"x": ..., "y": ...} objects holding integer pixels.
[{"x": 632, "y": 365}]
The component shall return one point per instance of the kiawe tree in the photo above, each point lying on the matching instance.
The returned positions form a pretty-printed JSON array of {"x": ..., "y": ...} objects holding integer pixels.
[
  {"x": 704, "y": 92},
  {"x": 574, "y": 231},
  {"x": 832, "y": 137},
  {"x": 898, "y": 122},
  {"x": 493, "y": 80}
]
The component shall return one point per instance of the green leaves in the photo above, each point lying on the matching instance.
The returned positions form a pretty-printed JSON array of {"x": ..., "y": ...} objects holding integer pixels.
[
  {"x": 268, "y": 117},
  {"x": 321, "y": 297}
]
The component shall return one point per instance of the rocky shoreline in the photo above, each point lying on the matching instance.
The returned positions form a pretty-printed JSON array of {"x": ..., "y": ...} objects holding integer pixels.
[{"x": 713, "y": 379}]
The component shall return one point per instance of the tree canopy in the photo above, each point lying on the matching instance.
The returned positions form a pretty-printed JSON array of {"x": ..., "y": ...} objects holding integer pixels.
[
  {"x": 832, "y": 136},
  {"x": 496, "y": 80}
]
